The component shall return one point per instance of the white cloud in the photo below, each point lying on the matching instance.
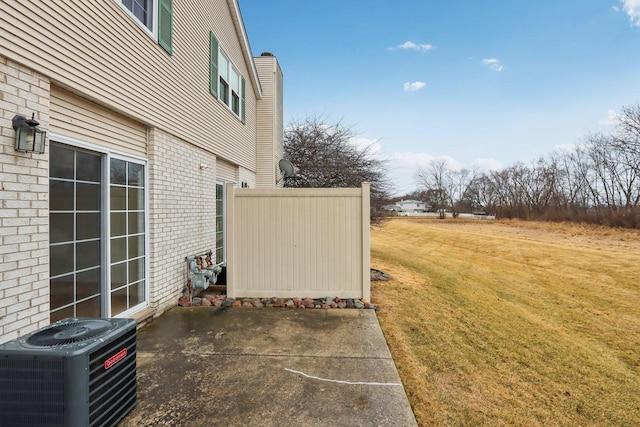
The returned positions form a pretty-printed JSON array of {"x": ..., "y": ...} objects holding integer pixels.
[
  {"x": 486, "y": 165},
  {"x": 408, "y": 45},
  {"x": 610, "y": 119},
  {"x": 372, "y": 144},
  {"x": 632, "y": 8},
  {"x": 565, "y": 148},
  {"x": 411, "y": 161},
  {"x": 493, "y": 64},
  {"x": 414, "y": 86}
]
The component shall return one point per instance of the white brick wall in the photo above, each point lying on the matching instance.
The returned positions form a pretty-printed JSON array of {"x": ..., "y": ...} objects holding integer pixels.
[
  {"x": 24, "y": 214},
  {"x": 182, "y": 212}
]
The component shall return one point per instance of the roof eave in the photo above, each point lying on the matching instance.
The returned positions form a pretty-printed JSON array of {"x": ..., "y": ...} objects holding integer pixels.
[{"x": 244, "y": 43}]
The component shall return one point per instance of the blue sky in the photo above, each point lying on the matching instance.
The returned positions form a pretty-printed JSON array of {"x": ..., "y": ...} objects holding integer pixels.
[{"x": 483, "y": 83}]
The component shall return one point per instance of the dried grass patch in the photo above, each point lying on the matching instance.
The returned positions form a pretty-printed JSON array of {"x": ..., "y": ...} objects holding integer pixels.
[{"x": 512, "y": 323}]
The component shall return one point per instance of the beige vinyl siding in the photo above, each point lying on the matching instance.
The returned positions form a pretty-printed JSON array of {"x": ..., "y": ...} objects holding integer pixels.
[
  {"x": 269, "y": 122},
  {"x": 225, "y": 171},
  {"x": 278, "y": 107},
  {"x": 99, "y": 50},
  {"x": 298, "y": 242},
  {"x": 278, "y": 124},
  {"x": 266, "y": 167},
  {"x": 75, "y": 117}
]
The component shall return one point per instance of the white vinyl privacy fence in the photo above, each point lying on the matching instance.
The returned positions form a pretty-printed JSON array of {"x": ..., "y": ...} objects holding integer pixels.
[{"x": 298, "y": 242}]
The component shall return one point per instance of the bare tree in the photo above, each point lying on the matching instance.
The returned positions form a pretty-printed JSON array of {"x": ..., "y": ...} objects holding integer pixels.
[
  {"x": 482, "y": 194},
  {"x": 458, "y": 190},
  {"x": 585, "y": 178},
  {"x": 326, "y": 156},
  {"x": 449, "y": 186},
  {"x": 627, "y": 135},
  {"x": 434, "y": 178}
]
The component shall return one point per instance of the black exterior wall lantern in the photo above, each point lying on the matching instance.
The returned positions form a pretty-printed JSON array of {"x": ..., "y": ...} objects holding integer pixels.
[{"x": 29, "y": 139}]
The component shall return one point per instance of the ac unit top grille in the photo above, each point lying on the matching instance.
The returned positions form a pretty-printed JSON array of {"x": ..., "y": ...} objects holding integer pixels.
[
  {"x": 63, "y": 333},
  {"x": 74, "y": 372}
]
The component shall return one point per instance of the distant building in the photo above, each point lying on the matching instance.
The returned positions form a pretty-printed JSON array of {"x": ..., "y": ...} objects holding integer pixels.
[{"x": 408, "y": 206}]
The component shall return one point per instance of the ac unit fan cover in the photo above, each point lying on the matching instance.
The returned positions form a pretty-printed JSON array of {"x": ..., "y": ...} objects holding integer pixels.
[{"x": 69, "y": 331}]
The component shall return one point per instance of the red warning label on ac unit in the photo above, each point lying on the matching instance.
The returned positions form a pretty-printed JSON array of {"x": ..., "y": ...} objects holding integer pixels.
[{"x": 115, "y": 358}]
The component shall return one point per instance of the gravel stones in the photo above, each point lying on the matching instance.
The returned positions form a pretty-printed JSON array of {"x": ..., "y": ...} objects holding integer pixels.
[
  {"x": 379, "y": 275},
  {"x": 221, "y": 300}
]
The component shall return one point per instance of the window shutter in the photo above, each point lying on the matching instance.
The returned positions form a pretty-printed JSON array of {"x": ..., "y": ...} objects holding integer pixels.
[
  {"x": 213, "y": 64},
  {"x": 165, "y": 24},
  {"x": 243, "y": 111}
]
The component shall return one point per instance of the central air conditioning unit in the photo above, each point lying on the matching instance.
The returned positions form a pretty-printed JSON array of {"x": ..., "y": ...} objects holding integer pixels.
[{"x": 75, "y": 372}]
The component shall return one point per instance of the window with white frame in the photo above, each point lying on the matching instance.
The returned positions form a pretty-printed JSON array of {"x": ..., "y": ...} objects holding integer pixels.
[
  {"x": 229, "y": 84},
  {"x": 76, "y": 215},
  {"x": 220, "y": 249},
  {"x": 127, "y": 236},
  {"x": 142, "y": 10},
  {"x": 98, "y": 234},
  {"x": 156, "y": 16},
  {"x": 225, "y": 81}
]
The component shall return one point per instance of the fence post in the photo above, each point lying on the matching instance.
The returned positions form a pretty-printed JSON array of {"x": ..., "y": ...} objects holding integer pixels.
[
  {"x": 366, "y": 241},
  {"x": 230, "y": 237}
]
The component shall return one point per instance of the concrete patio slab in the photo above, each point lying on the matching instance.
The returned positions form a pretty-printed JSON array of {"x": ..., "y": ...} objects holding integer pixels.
[{"x": 203, "y": 366}]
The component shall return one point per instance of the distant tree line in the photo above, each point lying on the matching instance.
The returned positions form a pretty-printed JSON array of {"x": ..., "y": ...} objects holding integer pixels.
[{"x": 598, "y": 181}]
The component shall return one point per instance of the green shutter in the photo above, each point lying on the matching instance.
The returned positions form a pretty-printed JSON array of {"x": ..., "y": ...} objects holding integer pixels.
[
  {"x": 213, "y": 64},
  {"x": 243, "y": 111},
  {"x": 165, "y": 24}
]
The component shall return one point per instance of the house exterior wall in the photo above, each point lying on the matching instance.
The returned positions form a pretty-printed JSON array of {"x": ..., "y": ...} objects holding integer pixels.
[
  {"x": 98, "y": 81},
  {"x": 24, "y": 209},
  {"x": 270, "y": 131},
  {"x": 182, "y": 208},
  {"x": 298, "y": 242}
]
